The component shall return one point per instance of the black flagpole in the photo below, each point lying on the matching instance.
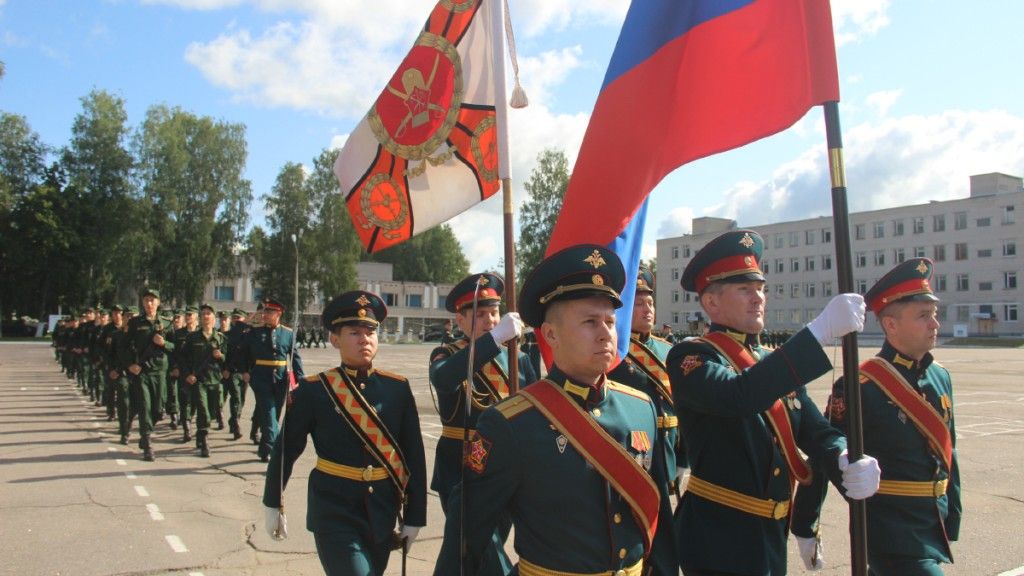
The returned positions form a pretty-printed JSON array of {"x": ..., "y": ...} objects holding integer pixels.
[{"x": 851, "y": 363}]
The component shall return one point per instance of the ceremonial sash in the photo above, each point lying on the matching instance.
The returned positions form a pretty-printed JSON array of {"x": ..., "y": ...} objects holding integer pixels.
[
  {"x": 367, "y": 425},
  {"x": 599, "y": 449},
  {"x": 491, "y": 376},
  {"x": 652, "y": 367},
  {"x": 777, "y": 416},
  {"x": 921, "y": 412}
]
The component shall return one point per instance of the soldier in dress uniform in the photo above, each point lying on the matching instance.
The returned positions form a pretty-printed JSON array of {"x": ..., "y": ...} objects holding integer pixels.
[
  {"x": 147, "y": 347},
  {"x": 266, "y": 350},
  {"x": 205, "y": 353},
  {"x": 907, "y": 406},
  {"x": 745, "y": 416},
  {"x": 644, "y": 369},
  {"x": 569, "y": 457},
  {"x": 371, "y": 468},
  {"x": 448, "y": 367},
  {"x": 233, "y": 384}
]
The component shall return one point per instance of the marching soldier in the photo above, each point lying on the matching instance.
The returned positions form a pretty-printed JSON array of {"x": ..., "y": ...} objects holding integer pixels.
[
  {"x": 109, "y": 367},
  {"x": 745, "y": 415},
  {"x": 119, "y": 361},
  {"x": 179, "y": 401},
  {"x": 644, "y": 369},
  {"x": 93, "y": 355},
  {"x": 371, "y": 468},
  {"x": 576, "y": 441},
  {"x": 204, "y": 358},
  {"x": 448, "y": 368},
  {"x": 266, "y": 349},
  {"x": 147, "y": 350},
  {"x": 907, "y": 405},
  {"x": 232, "y": 374}
]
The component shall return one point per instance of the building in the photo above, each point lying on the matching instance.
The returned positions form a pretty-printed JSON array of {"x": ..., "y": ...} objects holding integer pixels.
[
  {"x": 413, "y": 307},
  {"x": 973, "y": 241}
]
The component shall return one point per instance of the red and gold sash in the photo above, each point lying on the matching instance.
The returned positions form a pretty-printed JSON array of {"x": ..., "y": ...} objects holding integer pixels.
[
  {"x": 491, "y": 375},
  {"x": 652, "y": 367},
  {"x": 921, "y": 412},
  {"x": 777, "y": 416},
  {"x": 602, "y": 451},
  {"x": 365, "y": 422}
]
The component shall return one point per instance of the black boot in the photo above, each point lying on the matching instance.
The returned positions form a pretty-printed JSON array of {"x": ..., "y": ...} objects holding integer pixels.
[
  {"x": 254, "y": 433},
  {"x": 204, "y": 449},
  {"x": 147, "y": 449},
  {"x": 174, "y": 421},
  {"x": 220, "y": 422},
  {"x": 124, "y": 439},
  {"x": 236, "y": 432},
  {"x": 187, "y": 427}
]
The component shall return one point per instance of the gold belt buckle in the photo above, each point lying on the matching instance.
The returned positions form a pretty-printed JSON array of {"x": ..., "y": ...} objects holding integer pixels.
[
  {"x": 368, "y": 473},
  {"x": 938, "y": 489},
  {"x": 778, "y": 512}
]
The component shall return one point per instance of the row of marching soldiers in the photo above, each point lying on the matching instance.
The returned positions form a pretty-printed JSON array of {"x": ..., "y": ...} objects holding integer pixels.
[
  {"x": 145, "y": 364},
  {"x": 586, "y": 462}
]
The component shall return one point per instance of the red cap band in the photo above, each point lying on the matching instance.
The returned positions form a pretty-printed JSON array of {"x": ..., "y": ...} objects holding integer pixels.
[{"x": 725, "y": 268}]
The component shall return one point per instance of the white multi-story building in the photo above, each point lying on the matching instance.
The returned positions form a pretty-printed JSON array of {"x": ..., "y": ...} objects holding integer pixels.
[{"x": 973, "y": 241}]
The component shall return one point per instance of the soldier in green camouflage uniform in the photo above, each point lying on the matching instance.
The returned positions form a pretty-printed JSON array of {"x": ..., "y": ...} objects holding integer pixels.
[
  {"x": 147, "y": 350},
  {"x": 204, "y": 358},
  {"x": 234, "y": 386}
]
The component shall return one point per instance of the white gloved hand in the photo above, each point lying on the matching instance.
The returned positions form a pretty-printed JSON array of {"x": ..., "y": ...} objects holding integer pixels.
[
  {"x": 811, "y": 552},
  {"x": 275, "y": 522},
  {"x": 508, "y": 328},
  {"x": 860, "y": 478},
  {"x": 408, "y": 535},
  {"x": 842, "y": 315},
  {"x": 680, "y": 470}
]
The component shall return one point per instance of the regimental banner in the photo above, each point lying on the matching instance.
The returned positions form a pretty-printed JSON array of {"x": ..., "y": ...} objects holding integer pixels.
[{"x": 428, "y": 148}]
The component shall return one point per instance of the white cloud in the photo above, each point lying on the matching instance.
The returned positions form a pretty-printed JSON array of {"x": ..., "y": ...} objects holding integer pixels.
[
  {"x": 196, "y": 4},
  {"x": 894, "y": 162},
  {"x": 676, "y": 223},
  {"x": 533, "y": 17},
  {"x": 884, "y": 100},
  {"x": 853, "y": 20},
  {"x": 539, "y": 74}
]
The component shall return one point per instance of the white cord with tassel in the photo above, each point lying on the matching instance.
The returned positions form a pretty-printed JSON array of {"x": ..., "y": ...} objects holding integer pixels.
[{"x": 518, "y": 98}]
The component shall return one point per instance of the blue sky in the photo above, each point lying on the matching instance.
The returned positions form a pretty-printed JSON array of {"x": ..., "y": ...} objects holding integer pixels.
[{"x": 931, "y": 93}]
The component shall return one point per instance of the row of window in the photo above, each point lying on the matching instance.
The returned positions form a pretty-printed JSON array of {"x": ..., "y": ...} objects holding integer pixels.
[
  {"x": 227, "y": 294},
  {"x": 962, "y": 313}
]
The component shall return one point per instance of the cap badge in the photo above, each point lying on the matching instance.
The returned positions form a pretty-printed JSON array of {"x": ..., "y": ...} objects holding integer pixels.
[
  {"x": 595, "y": 259},
  {"x": 748, "y": 261},
  {"x": 363, "y": 300},
  {"x": 922, "y": 267},
  {"x": 362, "y": 313},
  {"x": 641, "y": 282},
  {"x": 747, "y": 241},
  {"x": 484, "y": 281},
  {"x": 597, "y": 279}
]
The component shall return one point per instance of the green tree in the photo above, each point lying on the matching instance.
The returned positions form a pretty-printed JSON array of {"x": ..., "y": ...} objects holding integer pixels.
[
  {"x": 288, "y": 207},
  {"x": 332, "y": 248},
  {"x": 546, "y": 189},
  {"x": 432, "y": 256}
]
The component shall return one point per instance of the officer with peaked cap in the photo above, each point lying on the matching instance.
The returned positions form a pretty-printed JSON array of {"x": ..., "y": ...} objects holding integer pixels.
[
  {"x": 148, "y": 343},
  {"x": 371, "y": 469},
  {"x": 644, "y": 369},
  {"x": 568, "y": 457},
  {"x": 491, "y": 384},
  {"x": 266, "y": 350},
  {"x": 745, "y": 416},
  {"x": 907, "y": 407}
]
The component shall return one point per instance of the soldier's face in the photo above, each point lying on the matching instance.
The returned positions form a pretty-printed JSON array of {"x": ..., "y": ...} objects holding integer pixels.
[
  {"x": 271, "y": 317},
  {"x": 191, "y": 319},
  {"x": 582, "y": 337},
  {"x": 643, "y": 313},
  {"x": 149, "y": 305},
  {"x": 913, "y": 329},
  {"x": 357, "y": 344},
  {"x": 487, "y": 318},
  {"x": 208, "y": 318},
  {"x": 739, "y": 306},
  {"x": 116, "y": 317}
]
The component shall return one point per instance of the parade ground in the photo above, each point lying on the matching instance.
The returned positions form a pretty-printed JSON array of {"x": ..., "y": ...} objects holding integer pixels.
[{"x": 76, "y": 502}]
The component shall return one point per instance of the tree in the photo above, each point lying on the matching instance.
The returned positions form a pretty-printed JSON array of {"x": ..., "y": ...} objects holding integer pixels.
[
  {"x": 546, "y": 188},
  {"x": 432, "y": 256},
  {"x": 332, "y": 246},
  {"x": 288, "y": 207}
]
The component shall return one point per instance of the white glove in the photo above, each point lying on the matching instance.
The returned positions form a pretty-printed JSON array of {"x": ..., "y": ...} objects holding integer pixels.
[
  {"x": 509, "y": 327},
  {"x": 811, "y": 552},
  {"x": 275, "y": 522},
  {"x": 842, "y": 315},
  {"x": 408, "y": 535},
  {"x": 860, "y": 478},
  {"x": 680, "y": 470}
]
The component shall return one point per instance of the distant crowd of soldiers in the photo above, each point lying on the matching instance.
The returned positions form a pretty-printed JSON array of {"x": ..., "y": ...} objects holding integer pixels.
[{"x": 310, "y": 337}]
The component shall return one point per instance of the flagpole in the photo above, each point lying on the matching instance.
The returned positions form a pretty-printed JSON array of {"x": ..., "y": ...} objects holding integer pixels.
[{"x": 851, "y": 363}]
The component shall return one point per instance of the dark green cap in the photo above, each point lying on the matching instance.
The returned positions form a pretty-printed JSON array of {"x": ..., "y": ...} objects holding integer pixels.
[
  {"x": 191, "y": 310},
  {"x": 355, "y": 307},
  {"x": 644, "y": 280},
  {"x": 492, "y": 287},
  {"x": 907, "y": 282},
  {"x": 238, "y": 313},
  {"x": 206, "y": 306},
  {"x": 733, "y": 257},
  {"x": 578, "y": 271},
  {"x": 150, "y": 292}
]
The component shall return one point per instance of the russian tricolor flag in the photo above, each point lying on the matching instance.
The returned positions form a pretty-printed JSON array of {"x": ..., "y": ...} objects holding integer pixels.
[{"x": 687, "y": 79}]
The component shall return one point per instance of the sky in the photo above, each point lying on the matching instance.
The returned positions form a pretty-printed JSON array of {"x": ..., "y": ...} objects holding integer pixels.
[{"x": 931, "y": 93}]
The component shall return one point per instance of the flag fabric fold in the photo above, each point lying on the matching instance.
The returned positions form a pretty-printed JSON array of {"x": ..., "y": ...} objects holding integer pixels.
[
  {"x": 687, "y": 79},
  {"x": 427, "y": 150}
]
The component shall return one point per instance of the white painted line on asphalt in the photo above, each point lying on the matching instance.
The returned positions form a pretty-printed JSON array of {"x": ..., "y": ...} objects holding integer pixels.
[
  {"x": 56, "y": 388},
  {"x": 121, "y": 462},
  {"x": 195, "y": 574},
  {"x": 176, "y": 544},
  {"x": 95, "y": 424},
  {"x": 130, "y": 475},
  {"x": 141, "y": 491},
  {"x": 154, "y": 512},
  {"x": 111, "y": 449},
  {"x": 1015, "y": 572},
  {"x": 23, "y": 388}
]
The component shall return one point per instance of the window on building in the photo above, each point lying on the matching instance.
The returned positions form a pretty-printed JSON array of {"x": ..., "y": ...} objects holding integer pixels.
[
  {"x": 414, "y": 300},
  {"x": 796, "y": 317},
  {"x": 983, "y": 222},
  {"x": 826, "y": 288},
  {"x": 897, "y": 227},
  {"x": 879, "y": 230},
  {"x": 939, "y": 223},
  {"x": 826, "y": 235},
  {"x": 257, "y": 293},
  {"x": 780, "y": 266},
  {"x": 939, "y": 253},
  {"x": 1010, "y": 313},
  {"x": 1009, "y": 280},
  {"x": 898, "y": 255},
  {"x": 686, "y": 250},
  {"x": 919, "y": 225},
  {"x": 959, "y": 221},
  {"x": 440, "y": 301},
  {"x": 963, "y": 282},
  {"x": 687, "y": 297},
  {"x": 794, "y": 290},
  {"x": 809, "y": 264},
  {"x": 389, "y": 298},
  {"x": 809, "y": 289},
  {"x": 675, "y": 317},
  {"x": 985, "y": 309},
  {"x": 224, "y": 293},
  {"x": 780, "y": 240},
  {"x": 675, "y": 295},
  {"x": 826, "y": 262},
  {"x": 808, "y": 237},
  {"x": 918, "y": 251},
  {"x": 794, "y": 238},
  {"x": 960, "y": 251},
  {"x": 963, "y": 313},
  {"x": 675, "y": 252},
  {"x": 858, "y": 232},
  {"x": 1008, "y": 217},
  {"x": 675, "y": 273},
  {"x": 1009, "y": 248},
  {"x": 780, "y": 290},
  {"x": 879, "y": 258},
  {"x": 780, "y": 316},
  {"x": 986, "y": 253},
  {"x": 984, "y": 286},
  {"x": 794, "y": 264},
  {"x": 862, "y": 286},
  {"x": 860, "y": 259},
  {"x": 939, "y": 282}
]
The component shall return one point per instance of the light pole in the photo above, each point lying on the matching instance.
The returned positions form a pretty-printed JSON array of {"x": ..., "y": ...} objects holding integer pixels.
[{"x": 295, "y": 241}]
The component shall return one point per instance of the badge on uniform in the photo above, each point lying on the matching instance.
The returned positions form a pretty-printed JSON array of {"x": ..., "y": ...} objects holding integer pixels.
[
  {"x": 691, "y": 363},
  {"x": 902, "y": 416},
  {"x": 792, "y": 401},
  {"x": 476, "y": 458},
  {"x": 947, "y": 407},
  {"x": 561, "y": 441}
]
